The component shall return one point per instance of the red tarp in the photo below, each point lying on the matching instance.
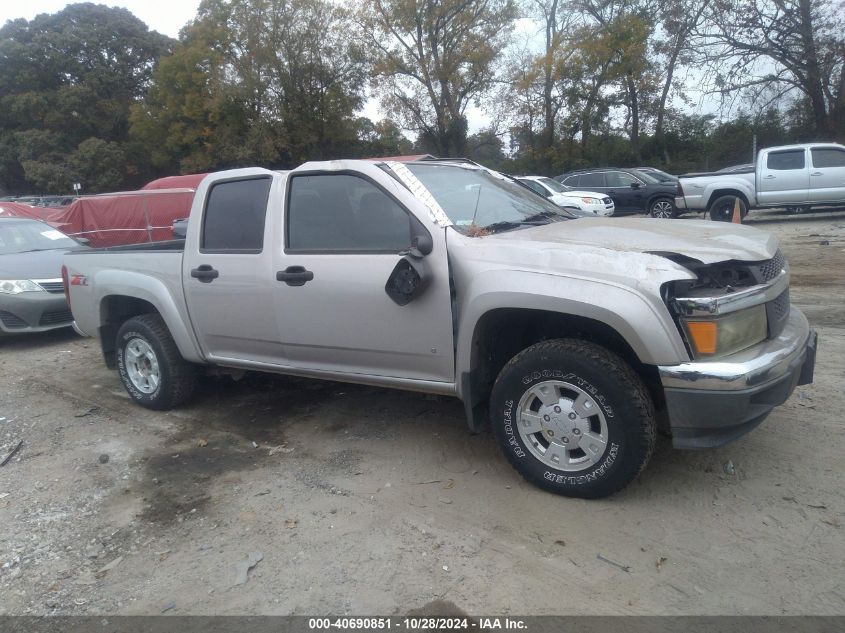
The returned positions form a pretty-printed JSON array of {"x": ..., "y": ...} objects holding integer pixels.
[
  {"x": 131, "y": 217},
  {"x": 188, "y": 181},
  {"x": 20, "y": 210}
]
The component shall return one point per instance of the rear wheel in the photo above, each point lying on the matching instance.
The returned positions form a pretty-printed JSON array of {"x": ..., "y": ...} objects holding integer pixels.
[
  {"x": 663, "y": 208},
  {"x": 573, "y": 418},
  {"x": 150, "y": 366},
  {"x": 722, "y": 209}
]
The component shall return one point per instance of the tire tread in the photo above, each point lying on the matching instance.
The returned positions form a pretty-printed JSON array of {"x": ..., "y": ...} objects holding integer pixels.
[
  {"x": 636, "y": 391},
  {"x": 182, "y": 381}
]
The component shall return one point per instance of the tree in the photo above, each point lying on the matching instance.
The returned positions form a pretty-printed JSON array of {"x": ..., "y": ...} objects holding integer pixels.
[
  {"x": 433, "y": 58},
  {"x": 67, "y": 77},
  {"x": 272, "y": 82},
  {"x": 681, "y": 18},
  {"x": 780, "y": 48}
]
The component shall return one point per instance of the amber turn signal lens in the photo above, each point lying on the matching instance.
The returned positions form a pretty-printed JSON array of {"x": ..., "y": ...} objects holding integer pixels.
[{"x": 703, "y": 335}]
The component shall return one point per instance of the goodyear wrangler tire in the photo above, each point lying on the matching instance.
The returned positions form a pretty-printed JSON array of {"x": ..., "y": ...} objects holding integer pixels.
[
  {"x": 150, "y": 366},
  {"x": 573, "y": 418}
]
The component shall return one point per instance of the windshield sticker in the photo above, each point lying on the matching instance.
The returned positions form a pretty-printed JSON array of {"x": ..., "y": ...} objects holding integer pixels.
[
  {"x": 422, "y": 194},
  {"x": 53, "y": 235}
]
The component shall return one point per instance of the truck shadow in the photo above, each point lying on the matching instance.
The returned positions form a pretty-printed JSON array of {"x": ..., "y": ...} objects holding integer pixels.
[{"x": 33, "y": 340}]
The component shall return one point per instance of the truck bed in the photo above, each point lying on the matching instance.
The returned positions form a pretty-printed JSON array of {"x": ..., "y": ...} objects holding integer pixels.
[{"x": 168, "y": 245}]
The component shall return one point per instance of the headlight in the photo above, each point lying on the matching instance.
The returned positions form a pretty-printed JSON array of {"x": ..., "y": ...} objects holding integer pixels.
[
  {"x": 17, "y": 286},
  {"x": 591, "y": 200},
  {"x": 726, "y": 334}
]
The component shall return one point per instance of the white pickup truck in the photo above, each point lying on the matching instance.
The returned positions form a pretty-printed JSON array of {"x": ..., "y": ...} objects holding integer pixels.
[
  {"x": 790, "y": 176},
  {"x": 575, "y": 338}
]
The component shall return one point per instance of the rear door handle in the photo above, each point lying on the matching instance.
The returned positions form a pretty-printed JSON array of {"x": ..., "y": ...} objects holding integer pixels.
[
  {"x": 205, "y": 273},
  {"x": 295, "y": 275},
  {"x": 768, "y": 177},
  {"x": 817, "y": 173}
]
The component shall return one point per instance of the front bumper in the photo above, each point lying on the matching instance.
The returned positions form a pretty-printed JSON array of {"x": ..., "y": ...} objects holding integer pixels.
[
  {"x": 711, "y": 403},
  {"x": 33, "y": 312}
]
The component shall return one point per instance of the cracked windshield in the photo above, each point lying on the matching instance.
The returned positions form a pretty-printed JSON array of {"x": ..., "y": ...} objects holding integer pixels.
[{"x": 475, "y": 199}]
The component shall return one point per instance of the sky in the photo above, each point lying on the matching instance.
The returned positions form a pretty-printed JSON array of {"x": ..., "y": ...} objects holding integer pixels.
[
  {"x": 168, "y": 16},
  {"x": 165, "y": 17}
]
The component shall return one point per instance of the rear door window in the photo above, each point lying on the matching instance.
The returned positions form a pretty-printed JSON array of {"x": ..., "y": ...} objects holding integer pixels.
[
  {"x": 572, "y": 181},
  {"x": 784, "y": 161},
  {"x": 234, "y": 216},
  {"x": 592, "y": 179},
  {"x": 619, "y": 179}
]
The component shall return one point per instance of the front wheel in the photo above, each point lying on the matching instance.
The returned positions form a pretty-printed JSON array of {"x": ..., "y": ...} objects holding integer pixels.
[
  {"x": 663, "y": 208},
  {"x": 150, "y": 366},
  {"x": 722, "y": 209},
  {"x": 573, "y": 418}
]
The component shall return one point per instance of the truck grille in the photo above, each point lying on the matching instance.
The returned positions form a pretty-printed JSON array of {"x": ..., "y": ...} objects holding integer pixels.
[
  {"x": 56, "y": 317},
  {"x": 607, "y": 201},
  {"x": 11, "y": 321},
  {"x": 770, "y": 269},
  {"x": 777, "y": 311}
]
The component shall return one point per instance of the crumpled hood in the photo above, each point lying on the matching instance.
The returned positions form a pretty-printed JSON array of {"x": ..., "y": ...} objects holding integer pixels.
[
  {"x": 33, "y": 265},
  {"x": 704, "y": 240}
]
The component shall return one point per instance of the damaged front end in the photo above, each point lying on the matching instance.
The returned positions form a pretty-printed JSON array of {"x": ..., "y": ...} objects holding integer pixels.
[
  {"x": 730, "y": 305},
  {"x": 749, "y": 347}
]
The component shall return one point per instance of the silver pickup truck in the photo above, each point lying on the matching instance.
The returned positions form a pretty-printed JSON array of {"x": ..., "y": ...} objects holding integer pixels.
[
  {"x": 576, "y": 339},
  {"x": 793, "y": 176}
]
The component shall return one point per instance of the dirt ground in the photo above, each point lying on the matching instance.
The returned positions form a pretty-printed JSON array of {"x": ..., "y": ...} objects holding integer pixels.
[{"x": 359, "y": 500}]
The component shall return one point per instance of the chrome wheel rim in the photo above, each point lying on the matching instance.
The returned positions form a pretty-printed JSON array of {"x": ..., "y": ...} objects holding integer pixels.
[
  {"x": 562, "y": 426},
  {"x": 662, "y": 209},
  {"x": 142, "y": 365}
]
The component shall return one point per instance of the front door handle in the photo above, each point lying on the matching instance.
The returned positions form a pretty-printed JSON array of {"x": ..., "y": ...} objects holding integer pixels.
[
  {"x": 768, "y": 177},
  {"x": 205, "y": 273},
  {"x": 295, "y": 275},
  {"x": 817, "y": 173}
]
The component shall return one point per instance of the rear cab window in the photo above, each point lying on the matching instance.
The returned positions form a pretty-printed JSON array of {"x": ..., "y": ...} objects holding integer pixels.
[{"x": 233, "y": 220}]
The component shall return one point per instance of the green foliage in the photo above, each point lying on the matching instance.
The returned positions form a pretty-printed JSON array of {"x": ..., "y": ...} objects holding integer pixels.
[
  {"x": 432, "y": 59},
  {"x": 66, "y": 78},
  {"x": 273, "y": 82}
]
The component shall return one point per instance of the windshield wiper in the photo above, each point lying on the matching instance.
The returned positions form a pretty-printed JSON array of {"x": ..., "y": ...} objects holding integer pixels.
[{"x": 530, "y": 220}]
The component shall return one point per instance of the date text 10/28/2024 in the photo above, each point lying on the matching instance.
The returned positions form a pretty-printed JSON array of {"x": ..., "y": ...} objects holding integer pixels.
[{"x": 417, "y": 623}]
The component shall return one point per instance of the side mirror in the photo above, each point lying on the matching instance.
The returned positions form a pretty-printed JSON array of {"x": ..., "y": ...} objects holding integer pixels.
[
  {"x": 407, "y": 281},
  {"x": 83, "y": 240},
  {"x": 421, "y": 242},
  {"x": 635, "y": 185},
  {"x": 180, "y": 229}
]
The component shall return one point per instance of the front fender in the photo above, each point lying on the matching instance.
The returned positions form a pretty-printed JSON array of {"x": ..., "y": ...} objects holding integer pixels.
[
  {"x": 642, "y": 321},
  {"x": 125, "y": 283}
]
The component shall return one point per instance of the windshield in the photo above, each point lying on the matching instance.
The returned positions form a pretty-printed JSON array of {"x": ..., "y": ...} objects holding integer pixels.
[
  {"x": 647, "y": 177},
  {"x": 475, "y": 197},
  {"x": 554, "y": 185},
  {"x": 661, "y": 176},
  {"x": 28, "y": 235}
]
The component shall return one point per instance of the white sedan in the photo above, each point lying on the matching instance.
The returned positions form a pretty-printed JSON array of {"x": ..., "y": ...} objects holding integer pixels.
[{"x": 589, "y": 203}]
